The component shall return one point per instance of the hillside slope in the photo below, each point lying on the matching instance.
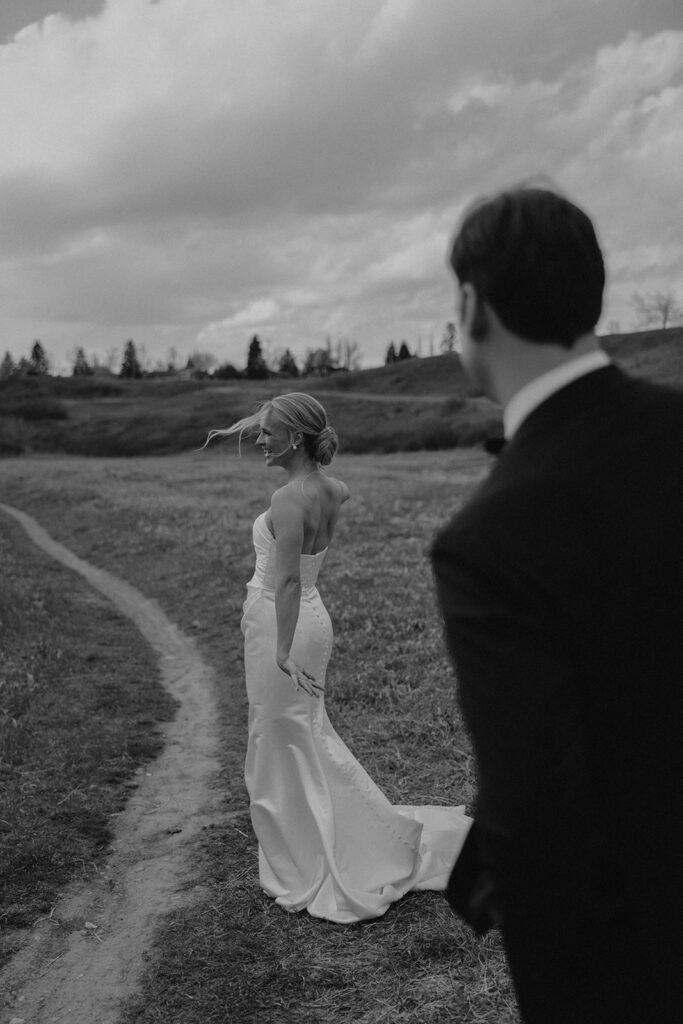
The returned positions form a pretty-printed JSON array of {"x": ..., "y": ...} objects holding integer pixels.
[
  {"x": 407, "y": 406},
  {"x": 654, "y": 354}
]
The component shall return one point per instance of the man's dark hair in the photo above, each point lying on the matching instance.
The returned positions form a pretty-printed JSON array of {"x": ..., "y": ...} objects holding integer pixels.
[{"x": 533, "y": 256}]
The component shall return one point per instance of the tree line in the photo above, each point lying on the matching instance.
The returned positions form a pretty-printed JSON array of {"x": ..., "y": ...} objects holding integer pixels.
[
  {"x": 655, "y": 310},
  {"x": 261, "y": 361},
  {"x": 344, "y": 354},
  {"x": 260, "y": 364}
]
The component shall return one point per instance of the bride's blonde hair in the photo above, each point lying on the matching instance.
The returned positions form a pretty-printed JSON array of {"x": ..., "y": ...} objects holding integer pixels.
[{"x": 298, "y": 412}]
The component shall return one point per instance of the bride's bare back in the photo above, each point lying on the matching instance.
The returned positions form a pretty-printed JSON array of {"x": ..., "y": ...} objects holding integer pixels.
[{"x": 315, "y": 501}]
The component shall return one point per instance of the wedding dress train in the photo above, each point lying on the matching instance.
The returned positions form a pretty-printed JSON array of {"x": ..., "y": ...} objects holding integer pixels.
[{"x": 329, "y": 840}]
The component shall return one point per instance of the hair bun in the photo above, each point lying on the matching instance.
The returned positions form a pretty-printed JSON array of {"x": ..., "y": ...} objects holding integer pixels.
[{"x": 326, "y": 444}]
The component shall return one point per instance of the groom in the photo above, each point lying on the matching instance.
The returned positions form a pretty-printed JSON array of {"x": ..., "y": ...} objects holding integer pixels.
[{"x": 561, "y": 587}]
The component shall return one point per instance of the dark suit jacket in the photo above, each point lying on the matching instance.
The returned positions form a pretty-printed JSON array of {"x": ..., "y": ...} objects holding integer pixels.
[{"x": 561, "y": 586}]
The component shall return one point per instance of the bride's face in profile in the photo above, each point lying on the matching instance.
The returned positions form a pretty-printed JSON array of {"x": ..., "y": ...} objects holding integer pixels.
[{"x": 274, "y": 439}]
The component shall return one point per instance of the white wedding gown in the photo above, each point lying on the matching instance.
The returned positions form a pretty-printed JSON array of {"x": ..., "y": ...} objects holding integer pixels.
[{"x": 329, "y": 840}]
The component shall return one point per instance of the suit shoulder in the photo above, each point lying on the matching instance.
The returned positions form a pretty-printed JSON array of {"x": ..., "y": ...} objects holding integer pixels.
[
  {"x": 653, "y": 414},
  {"x": 655, "y": 393}
]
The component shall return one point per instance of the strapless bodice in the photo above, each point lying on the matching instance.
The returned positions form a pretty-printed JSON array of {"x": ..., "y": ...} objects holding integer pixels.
[{"x": 265, "y": 548}]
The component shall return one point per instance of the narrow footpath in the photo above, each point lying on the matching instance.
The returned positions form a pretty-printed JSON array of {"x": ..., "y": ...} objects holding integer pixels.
[{"x": 87, "y": 957}]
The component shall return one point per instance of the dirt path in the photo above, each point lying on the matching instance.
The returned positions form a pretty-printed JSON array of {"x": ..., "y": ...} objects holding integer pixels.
[{"x": 85, "y": 958}]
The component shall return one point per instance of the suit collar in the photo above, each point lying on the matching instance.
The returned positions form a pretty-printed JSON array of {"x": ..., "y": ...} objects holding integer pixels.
[
  {"x": 568, "y": 403},
  {"x": 541, "y": 388}
]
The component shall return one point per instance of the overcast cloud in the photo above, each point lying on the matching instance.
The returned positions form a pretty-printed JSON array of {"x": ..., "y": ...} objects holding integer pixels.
[{"x": 191, "y": 172}]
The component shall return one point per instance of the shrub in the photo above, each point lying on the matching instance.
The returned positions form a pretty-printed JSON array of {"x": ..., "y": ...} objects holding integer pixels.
[
  {"x": 226, "y": 371},
  {"x": 14, "y": 436},
  {"x": 34, "y": 409}
]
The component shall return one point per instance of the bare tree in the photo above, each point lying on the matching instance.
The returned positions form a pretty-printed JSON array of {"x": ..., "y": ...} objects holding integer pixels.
[
  {"x": 110, "y": 361},
  {"x": 658, "y": 309},
  {"x": 144, "y": 359},
  {"x": 201, "y": 363},
  {"x": 319, "y": 362},
  {"x": 273, "y": 355},
  {"x": 448, "y": 340},
  {"x": 346, "y": 354}
]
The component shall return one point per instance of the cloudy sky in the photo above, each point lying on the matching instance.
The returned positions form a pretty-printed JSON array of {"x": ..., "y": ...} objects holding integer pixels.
[{"x": 191, "y": 172}]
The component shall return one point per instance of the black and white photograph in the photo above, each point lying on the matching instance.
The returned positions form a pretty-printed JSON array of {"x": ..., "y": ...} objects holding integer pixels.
[{"x": 341, "y": 492}]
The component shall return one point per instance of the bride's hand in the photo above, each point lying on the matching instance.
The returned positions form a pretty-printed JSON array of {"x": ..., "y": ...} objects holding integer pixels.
[{"x": 300, "y": 677}]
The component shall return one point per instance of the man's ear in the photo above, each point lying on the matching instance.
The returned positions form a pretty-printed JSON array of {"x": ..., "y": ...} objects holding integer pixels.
[{"x": 473, "y": 317}]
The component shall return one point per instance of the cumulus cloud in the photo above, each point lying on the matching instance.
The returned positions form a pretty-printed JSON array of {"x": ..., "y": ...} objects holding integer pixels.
[{"x": 203, "y": 171}]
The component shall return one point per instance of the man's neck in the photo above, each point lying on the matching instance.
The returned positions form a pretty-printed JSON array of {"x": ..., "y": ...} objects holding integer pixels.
[
  {"x": 540, "y": 389},
  {"x": 524, "y": 361}
]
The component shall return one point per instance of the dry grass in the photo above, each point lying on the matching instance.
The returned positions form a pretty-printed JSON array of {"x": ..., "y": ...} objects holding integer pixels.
[
  {"x": 240, "y": 958},
  {"x": 162, "y": 417},
  {"x": 79, "y": 706},
  {"x": 179, "y": 529}
]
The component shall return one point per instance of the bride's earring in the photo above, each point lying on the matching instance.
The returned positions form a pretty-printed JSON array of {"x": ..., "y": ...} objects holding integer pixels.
[{"x": 294, "y": 447}]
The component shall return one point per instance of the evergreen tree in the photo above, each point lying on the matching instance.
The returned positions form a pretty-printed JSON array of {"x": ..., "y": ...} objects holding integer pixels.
[
  {"x": 287, "y": 365},
  {"x": 256, "y": 364},
  {"x": 38, "y": 364},
  {"x": 391, "y": 356},
  {"x": 81, "y": 366},
  {"x": 404, "y": 352},
  {"x": 7, "y": 367},
  {"x": 130, "y": 367}
]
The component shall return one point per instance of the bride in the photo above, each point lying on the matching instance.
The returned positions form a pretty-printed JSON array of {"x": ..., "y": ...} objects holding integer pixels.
[{"x": 329, "y": 840}]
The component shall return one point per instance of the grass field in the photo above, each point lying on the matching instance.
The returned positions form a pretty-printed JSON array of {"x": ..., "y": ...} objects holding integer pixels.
[
  {"x": 179, "y": 528},
  {"x": 80, "y": 702},
  {"x": 79, "y": 708}
]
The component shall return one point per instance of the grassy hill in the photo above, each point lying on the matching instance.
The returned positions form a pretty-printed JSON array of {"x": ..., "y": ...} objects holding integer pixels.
[
  {"x": 433, "y": 377},
  {"x": 411, "y": 405},
  {"x": 657, "y": 355},
  {"x": 654, "y": 354}
]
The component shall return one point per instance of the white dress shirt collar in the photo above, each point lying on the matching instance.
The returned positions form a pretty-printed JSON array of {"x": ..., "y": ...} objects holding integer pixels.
[{"x": 540, "y": 388}]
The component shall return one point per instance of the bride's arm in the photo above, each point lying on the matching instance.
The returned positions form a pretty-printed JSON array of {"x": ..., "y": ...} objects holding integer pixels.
[{"x": 288, "y": 526}]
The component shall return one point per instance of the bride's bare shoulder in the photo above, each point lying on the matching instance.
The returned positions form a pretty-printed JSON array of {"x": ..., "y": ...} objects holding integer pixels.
[
  {"x": 288, "y": 494},
  {"x": 342, "y": 488}
]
